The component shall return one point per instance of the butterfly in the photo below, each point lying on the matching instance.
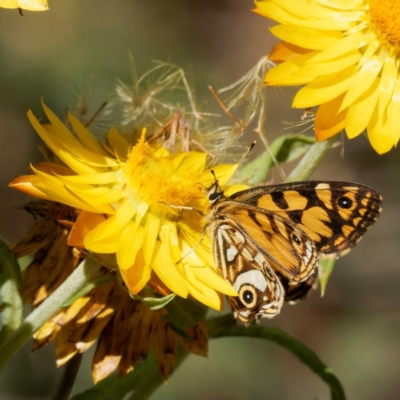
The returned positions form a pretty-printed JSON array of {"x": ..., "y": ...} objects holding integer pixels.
[{"x": 267, "y": 240}]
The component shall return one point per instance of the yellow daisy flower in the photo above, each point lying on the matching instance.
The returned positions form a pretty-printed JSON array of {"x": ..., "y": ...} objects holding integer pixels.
[
  {"x": 31, "y": 5},
  {"x": 346, "y": 52},
  {"x": 139, "y": 202}
]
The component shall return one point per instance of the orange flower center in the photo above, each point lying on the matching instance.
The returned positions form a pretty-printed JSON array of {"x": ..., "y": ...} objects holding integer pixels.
[{"x": 385, "y": 17}]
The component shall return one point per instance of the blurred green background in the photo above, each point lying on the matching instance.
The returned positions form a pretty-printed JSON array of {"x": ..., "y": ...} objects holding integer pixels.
[{"x": 355, "y": 328}]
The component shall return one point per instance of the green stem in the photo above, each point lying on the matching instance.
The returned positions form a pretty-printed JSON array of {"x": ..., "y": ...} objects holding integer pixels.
[
  {"x": 153, "y": 380},
  {"x": 47, "y": 309},
  {"x": 68, "y": 378},
  {"x": 226, "y": 327},
  {"x": 10, "y": 285},
  {"x": 310, "y": 161}
]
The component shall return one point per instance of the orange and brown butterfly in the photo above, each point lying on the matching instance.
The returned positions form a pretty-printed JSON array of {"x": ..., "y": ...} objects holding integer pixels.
[{"x": 267, "y": 239}]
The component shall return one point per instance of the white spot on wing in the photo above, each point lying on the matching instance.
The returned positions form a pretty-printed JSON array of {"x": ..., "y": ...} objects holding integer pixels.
[
  {"x": 254, "y": 277},
  {"x": 231, "y": 253},
  {"x": 322, "y": 186}
]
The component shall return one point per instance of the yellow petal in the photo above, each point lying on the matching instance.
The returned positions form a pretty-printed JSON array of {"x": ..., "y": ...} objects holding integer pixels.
[
  {"x": 212, "y": 279},
  {"x": 85, "y": 136},
  {"x": 113, "y": 225},
  {"x": 189, "y": 164},
  {"x": 117, "y": 143},
  {"x": 169, "y": 238},
  {"x": 311, "y": 69},
  {"x": 312, "y": 10},
  {"x": 231, "y": 189},
  {"x": 269, "y": 9},
  {"x": 85, "y": 223},
  {"x": 166, "y": 270},
  {"x": 386, "y": 85},
  {"x": 202, "y": 292},
  {"x": 27, "y": 184},
  {"x": 284, "y": 51},
  {"x": 363, "y": 80},
  {"x": 306, "y": 37},
  {"x": 341, "y": 48},
  {"x": 137, "y": 276},
  {"x": 359, "y": 114},
  {"x": 30, "y": 5},
  {"x": 380, "y": 134},
  {"x": 394, "y": 110},
  {"x": 324, "y": 89},
  {"x": 281, "y": 75},
  {"x": 129, "y": 244},
  {"x": 56, "y": 191},
  {"x": 151, "y": 229},
  {"x": 73, "y": 145},
  {"x": 54, "y": 169},
  {"x": 101, "y": 178},
  {"x": 58, "y": 148},
  {"x": 328, "y": 120},
  {"x": 222, "y": 172},
  {"x": 343, "y": 4}
]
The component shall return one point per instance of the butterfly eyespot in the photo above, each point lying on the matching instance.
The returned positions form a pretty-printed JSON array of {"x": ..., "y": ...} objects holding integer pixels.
[
  {"x": 296, "y": 239},
  {"x": 345, "y": 202},
  {"x": 248, "y": 296}
]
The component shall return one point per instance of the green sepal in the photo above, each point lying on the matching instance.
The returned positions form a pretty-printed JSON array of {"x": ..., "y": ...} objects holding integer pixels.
[
  {"x": 155, "y": 303},
  {"x": 183, "y": 313}
]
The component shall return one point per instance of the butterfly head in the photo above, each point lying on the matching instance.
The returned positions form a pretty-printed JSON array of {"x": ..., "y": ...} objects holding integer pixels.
[{"x": 215, "y": 193}]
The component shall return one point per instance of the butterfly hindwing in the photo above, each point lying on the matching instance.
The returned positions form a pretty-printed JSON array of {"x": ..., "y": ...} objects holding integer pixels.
[
  {"x": 260, "y": 291},
  {"x": 286, "y": 247}
]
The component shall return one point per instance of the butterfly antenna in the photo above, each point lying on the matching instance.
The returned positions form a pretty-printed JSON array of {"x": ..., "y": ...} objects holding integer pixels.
[{"x": 241, "y": 161}]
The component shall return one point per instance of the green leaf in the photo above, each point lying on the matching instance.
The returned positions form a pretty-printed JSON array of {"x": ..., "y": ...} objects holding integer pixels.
[
  {"x": 293, "y": 147},
  {"x": 184, "y": 312},
  {"x": 283, "y": 149},
  {"x": 325, "y": 270},
  {"x": 311, "y": 160},
  {"x": 11, "y": 301},
  {"x": 88, "y": 287},
  {"x": 226, "y": 326},
  {"x": 155, "y": 303}
]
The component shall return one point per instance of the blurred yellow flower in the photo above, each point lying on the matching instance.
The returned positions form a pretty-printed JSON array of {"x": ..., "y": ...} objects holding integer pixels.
[
  {"x": 346, "y": 52},
  {"x": 131, "y": 201},
  {"x": 31, "y": 5}
]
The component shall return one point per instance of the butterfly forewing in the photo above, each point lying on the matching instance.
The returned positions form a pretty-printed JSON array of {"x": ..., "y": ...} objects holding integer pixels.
[{"x": 335, "y": 215}]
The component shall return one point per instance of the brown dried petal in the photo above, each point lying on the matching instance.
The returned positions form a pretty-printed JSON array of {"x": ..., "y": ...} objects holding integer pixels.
[
  {"x": 198, "y": 344},
  {"x": 38, "y": 236},
  {"x": 164, "y": 341}
]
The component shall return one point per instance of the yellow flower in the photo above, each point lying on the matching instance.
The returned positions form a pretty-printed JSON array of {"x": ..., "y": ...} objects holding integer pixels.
[
  {"x": 31, "y": 5},
  {"x": 346, "y": 52},
  {"x": 131, "y": 202}
]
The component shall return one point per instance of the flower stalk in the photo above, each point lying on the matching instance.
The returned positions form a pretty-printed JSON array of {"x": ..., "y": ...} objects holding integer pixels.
[{"x": 45, "y": 311}]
